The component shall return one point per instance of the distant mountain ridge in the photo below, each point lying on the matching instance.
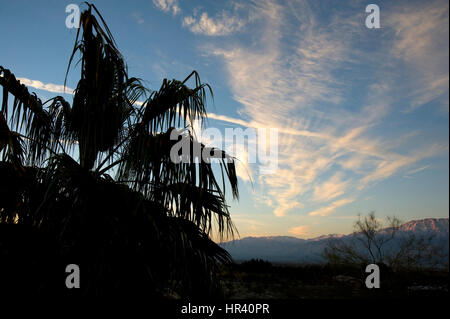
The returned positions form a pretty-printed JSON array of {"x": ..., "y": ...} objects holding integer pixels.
[
  {"x": 436, "y": 225},
  {"x": 296, "y": 250}
]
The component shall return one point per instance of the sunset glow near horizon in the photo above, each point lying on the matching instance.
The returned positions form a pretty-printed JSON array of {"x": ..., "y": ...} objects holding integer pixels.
[{"x": 362, "y": 114}]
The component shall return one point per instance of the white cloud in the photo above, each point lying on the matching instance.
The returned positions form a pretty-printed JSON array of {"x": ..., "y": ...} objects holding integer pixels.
[
  {"x": 223, "y": 24},
  {"x": 417, "y": 170},
  {"x": 299, "y": 230},
  {"x": 50, "y": 87},
  {"x": 284, "y": 205},
  {"x": 330, "y": 189},
  {"x": 327, "y": 210},
  {"x": 167, "y": 6}
]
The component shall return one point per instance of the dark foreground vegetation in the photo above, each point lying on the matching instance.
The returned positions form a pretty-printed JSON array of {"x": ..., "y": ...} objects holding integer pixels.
[
  {"x": 258, "y": 279},
  {"x": 93, "y": 182}
]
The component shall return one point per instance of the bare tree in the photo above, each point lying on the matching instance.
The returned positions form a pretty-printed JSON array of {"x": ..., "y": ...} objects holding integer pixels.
[{"x": 370, "y": 243}]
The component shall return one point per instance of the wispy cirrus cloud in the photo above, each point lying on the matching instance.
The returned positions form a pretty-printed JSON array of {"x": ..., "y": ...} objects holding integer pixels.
[
  {"x": 332, "y": 188},
  {"x": 417, "y": 170},
  {"x": 298, "y": 88},
  {"x": 327, "y": 210},
  {"x": 271, "y": 80},
  {"x": 387, "y": 168},
  {"x": 421, "y": 40}
]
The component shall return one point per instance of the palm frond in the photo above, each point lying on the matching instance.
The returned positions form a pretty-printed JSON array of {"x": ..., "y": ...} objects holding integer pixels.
[
  {"x": 11, "y": 144},
  {"x": 149, "y": 168},
  {"x": 29, "y": 115},
  {"x": 174, "y": 104},
  {"x": 100, "y": 106}
]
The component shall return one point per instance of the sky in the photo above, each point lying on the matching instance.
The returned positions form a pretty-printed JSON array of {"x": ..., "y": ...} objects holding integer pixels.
[{"x": 362, "y": 114}]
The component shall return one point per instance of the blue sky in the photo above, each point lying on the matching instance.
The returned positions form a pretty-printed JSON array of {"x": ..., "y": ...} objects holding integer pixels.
[{"x": 362, "y": 113}]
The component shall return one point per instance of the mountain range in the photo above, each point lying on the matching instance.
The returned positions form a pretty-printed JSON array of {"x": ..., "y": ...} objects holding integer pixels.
[{"x": 287, "y": 249}]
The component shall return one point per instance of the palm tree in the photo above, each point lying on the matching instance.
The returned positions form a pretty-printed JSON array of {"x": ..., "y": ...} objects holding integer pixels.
[{"x": 121, "y": 209}]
